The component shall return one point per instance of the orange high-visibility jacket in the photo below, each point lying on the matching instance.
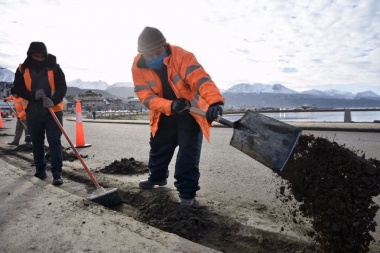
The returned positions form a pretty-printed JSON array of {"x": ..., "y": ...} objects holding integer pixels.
[
  {"x": 188, "y": 80},
  {"x": 20, "y": 106},
  {"x": 28, "y": 84}
]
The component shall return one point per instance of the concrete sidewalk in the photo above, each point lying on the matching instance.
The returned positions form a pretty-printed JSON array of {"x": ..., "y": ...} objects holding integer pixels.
[{"x": 36, "y": 216}]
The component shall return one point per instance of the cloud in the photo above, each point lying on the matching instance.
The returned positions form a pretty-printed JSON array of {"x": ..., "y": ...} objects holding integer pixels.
[
  {"x": 289, "y": 70},
  {"x": 296, "y": 43}
]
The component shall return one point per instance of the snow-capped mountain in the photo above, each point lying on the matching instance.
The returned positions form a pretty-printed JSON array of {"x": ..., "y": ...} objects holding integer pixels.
[
  {"x": 313, "y": 92},
  {"x": 259, "y": 88},
  {"x": 120, "y": 84},
  {"x": 330, "y": 93},
  {"x": 99, "y": 85},
  {"x": 126, "y": 89},
  {"x": 122, "y": 89},
  {"x": 6, "y": 75},
  {"x": 280, "y": 89},
  {"x": 367, "y": 94}
]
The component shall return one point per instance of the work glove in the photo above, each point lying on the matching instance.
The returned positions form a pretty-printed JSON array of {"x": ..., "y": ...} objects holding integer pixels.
[
  {"x": 181, "y": 106},
  {"x": 40, "y": 94},
  {"x": 47, "y": 102},
  {"x": 214, "y": 111}
]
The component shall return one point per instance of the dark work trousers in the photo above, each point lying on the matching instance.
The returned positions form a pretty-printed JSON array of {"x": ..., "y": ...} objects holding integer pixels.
[
  {"x": 19, "y": 130},
  {"x": 37, "y": 131},
  {"x": 184, "y": 132}
]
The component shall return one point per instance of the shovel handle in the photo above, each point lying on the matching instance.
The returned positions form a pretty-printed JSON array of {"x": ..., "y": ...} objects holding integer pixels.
[
  {"x": 220, "y": 119},
  {"x": 93, "y": 179}
]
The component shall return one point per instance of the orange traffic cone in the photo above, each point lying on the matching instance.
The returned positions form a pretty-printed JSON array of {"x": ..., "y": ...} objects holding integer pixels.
[
  {"x": 1, "y": 120},
  {"x": 80, "y": 143}
]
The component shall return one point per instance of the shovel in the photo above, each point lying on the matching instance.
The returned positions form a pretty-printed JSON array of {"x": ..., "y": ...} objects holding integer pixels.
[
  {"x": 269, "y": 141},
  {"x": 101, "y": 196}
]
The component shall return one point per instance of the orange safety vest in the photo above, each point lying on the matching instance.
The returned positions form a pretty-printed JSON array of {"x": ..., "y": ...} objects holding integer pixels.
[
  {"x": 188, "y": 80},
  {"x": 28, "y": 83},
  {"x": 20, "y": 106}
]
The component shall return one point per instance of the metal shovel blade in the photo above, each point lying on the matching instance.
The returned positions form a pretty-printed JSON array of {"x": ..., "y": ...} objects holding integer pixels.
[{"x": 269, "y": 141}]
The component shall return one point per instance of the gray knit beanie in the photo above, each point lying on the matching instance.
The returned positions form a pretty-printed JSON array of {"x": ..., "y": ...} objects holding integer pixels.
[{"x": 150, "y": 38}]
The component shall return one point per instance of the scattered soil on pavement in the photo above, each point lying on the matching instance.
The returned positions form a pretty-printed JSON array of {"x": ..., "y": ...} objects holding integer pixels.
[
  {"x": 335, "y": 186},
  {"x": 66, "y": 156},
  {"x": 199, "y": 224}
]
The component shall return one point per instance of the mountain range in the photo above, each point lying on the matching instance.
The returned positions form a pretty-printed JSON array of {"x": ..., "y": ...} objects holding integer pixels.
[{"x": 239, "y": 95}]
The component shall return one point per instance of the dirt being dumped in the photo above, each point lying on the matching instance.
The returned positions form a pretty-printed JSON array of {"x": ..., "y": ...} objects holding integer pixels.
[
  {"x": 125, "y": 167},
  {"x": 335, "y": 186}
]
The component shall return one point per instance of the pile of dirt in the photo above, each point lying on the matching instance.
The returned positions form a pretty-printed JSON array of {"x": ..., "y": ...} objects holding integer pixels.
[
  {"x": 125, "y": 167},
  {"x": 335, "y": 186}
]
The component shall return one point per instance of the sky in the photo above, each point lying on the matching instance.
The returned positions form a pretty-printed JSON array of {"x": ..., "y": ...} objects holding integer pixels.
[{"x": 302, "y": 44}]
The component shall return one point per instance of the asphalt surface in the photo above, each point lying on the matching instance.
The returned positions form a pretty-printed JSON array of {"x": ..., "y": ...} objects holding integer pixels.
[{"x": 41, "y": 212}]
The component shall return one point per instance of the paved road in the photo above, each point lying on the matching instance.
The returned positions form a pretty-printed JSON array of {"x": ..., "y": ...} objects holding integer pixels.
[{"x": 230, "y": 181}]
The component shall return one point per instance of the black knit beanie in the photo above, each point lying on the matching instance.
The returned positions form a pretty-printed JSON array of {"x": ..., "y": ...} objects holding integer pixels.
[
  {"x": 37, "y": 47},
  {"x": 150, "y": 38}
]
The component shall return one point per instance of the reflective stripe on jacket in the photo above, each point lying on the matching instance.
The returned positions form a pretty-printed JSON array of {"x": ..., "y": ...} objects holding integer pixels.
[
  {"x": 188, "y": 80},
  {"x": 28, "y": 83},
  {"x": 20, "y": 106}
]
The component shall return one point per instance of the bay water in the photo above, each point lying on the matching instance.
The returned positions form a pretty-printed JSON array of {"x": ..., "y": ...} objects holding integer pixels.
[{"x": 310, "y": 116}]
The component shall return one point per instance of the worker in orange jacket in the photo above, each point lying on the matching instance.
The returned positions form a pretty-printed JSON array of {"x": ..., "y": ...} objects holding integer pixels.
[
  {"x": 20, "y": 106},
  {"x": 41, "y": 81},
  {"x": 169, "y": 80}
]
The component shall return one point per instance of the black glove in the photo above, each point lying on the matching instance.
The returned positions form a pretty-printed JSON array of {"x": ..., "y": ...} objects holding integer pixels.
[
  {"x": 40, "y": 94},
  {"x": 47, "y": 102},
  {"x": 5, "y": 100},
  {"x": 214, "y": 111},
  {"x": 181, "y": 106}
]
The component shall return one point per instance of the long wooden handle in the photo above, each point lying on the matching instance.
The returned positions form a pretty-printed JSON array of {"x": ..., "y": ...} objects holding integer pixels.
[
  {"x": 220, "y": 119},
  {"x": 93, "y": 179}
]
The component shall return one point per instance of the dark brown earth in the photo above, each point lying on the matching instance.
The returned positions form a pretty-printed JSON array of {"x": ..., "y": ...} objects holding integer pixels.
[
  {"x": 333, "y": 184},
  {"x": 125, "y": 167}
]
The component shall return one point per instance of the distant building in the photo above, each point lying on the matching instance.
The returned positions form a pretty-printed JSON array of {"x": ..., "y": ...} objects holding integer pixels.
[
  {"x": 90, "y": 98},
  {"x": 309, "y": 106},
  {"x": 134, "y": 104},
  {"x": 5, "y": 91}
]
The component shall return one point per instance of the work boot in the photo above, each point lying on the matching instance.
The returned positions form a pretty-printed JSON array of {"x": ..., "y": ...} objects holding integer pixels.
[
  {"x": 57, "y": 179},
  {"x": 186, "y": 202},
  {"x": 13, "y": 143},
  {"x": 41, "y": 175},
  {"x": 28, "y": 139},
  {"x": 146, "y": 184}
]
